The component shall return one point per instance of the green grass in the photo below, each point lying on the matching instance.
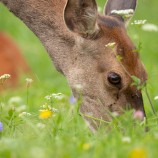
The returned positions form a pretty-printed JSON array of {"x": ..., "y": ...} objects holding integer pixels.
[{"x": 66, "y": 135}]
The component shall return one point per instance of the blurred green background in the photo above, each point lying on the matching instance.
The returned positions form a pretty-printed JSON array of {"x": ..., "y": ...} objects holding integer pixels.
[{"x": 66, "y": 135}]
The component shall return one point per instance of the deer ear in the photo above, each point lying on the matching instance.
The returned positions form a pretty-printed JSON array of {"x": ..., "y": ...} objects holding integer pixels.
[
  {"x": 123, "y": 9},
  {"x": 80, "y": 17}
]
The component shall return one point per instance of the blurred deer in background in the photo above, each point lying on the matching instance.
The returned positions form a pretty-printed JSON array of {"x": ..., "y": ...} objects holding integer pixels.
[
  {"x": 76, "y": 38},
  {"x": 11, "y": 60}
]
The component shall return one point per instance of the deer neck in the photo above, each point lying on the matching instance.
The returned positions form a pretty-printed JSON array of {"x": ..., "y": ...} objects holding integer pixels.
[{"x": 45, "y": 19}]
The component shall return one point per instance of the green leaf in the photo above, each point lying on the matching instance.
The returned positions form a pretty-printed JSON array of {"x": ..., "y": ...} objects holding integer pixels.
[
  {"x": 139, "y": 46},
  {"x": 136, "y": 81},
  {"x": 119, "y": 57},
  {"x": 138, "y": 49}
]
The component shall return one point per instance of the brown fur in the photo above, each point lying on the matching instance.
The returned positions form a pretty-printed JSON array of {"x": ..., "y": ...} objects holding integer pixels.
[{"x": 11, "y": 60}]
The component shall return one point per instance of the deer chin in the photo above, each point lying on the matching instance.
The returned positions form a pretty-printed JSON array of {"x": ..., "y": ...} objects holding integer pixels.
[
  {"x": 92, "y": 109},
  {"x": 97, "y": 110}
]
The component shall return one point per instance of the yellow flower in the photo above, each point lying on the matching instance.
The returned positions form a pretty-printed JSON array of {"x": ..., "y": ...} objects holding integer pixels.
[
  {"x": 138, "y": 153},
  {"x": 86, "y": 146},
  {"x": 44, "y": 114}
]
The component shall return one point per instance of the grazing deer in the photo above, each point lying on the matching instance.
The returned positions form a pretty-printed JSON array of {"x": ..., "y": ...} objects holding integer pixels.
[
  {"x": 75, "y": 36},
  {"x": 11, "y": 60}
]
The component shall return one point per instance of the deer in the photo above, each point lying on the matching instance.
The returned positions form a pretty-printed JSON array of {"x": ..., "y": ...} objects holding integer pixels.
[
  {"x": 75, "y": 36},
  {"x": 12, "y": 61}
]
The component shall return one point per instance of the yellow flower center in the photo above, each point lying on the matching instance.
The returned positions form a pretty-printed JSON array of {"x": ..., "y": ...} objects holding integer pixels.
[
  {"x": 138, "y": 153},
  {"x": 44, "y": 114}
]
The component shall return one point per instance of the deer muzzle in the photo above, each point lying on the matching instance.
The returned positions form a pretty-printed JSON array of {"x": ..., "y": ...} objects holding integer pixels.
[{"x": 136, "y": 101}]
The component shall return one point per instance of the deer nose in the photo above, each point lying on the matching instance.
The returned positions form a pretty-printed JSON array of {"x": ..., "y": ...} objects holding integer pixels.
[
  {"x": 138, "y": 105},
  {"x": 135, "y": 99}
]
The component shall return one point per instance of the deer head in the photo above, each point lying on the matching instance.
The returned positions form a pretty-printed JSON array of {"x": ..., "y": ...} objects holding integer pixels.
[
  {"x": 77, "y": 41},
  {"x": 106, "y": 82}
]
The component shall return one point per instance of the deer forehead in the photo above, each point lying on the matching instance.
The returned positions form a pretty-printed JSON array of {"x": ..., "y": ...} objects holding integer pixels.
[
  {"x": 93, "y": 55},
  {"x": 114, "y": 31}
]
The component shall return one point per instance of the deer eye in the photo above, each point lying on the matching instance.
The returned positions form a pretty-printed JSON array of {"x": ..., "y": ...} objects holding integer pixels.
[{"x": 114, "y": 78}]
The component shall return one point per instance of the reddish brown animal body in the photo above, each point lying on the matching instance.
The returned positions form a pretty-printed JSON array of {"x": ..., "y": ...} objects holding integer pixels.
[
  {"x": 11, "y": 60},
  {"x": 75, "y": 36}
]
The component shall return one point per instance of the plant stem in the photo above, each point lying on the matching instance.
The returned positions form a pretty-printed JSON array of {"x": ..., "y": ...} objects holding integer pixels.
[
  {"x": 152, "y": 106},
  {"x": 27, "y": 93},
  {"x": 94, "y": 118}
]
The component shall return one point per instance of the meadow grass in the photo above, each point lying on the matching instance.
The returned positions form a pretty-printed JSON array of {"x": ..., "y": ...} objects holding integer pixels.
[{"x": 64, "y": 134}]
